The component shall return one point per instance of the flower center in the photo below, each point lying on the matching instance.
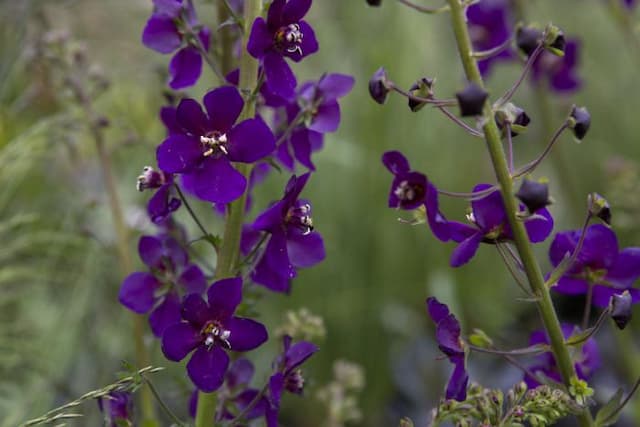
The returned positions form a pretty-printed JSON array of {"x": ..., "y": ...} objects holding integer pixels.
[
  {"x": 214, "y": 142},
  {"x": 300, "y": 217},
  {"x": 289, "y": 38},
  {"x": 408, "y": 192},
  {"x": 295, "y": 382},
  {"x": 213, "y": 331},
  {"x": 593, "y": 276}
]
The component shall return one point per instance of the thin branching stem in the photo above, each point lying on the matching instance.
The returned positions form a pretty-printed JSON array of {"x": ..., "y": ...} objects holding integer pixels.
[
  {"x": 486, "y": 54},
  {"x": 529, "y": 167},
  {"x": 532, "y": 58},
  {"x": 238, "y": 418},
  {"x": 424, "y": 9},
  {"x": 476, "y": 195}
]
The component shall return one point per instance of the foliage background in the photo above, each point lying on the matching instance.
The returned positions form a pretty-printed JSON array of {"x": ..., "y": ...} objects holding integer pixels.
[{"x": 62, "y": 331}]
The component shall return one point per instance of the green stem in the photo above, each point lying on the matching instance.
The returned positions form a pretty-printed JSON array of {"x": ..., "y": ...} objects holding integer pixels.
[
  {"x": 229, "y": 254},
  {"x": 498, "y": 158}
]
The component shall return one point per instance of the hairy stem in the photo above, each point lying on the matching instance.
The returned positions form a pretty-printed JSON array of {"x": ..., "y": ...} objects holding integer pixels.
[
  {"x": 498, "y": 158},
  {"x": 229, "y": 254}
]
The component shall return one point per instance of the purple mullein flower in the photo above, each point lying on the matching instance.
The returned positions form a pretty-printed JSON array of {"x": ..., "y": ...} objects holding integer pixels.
[
  {"x": 317, "y": 106},
  {"x": 209, "y": 142},
  {"x": 283, "y": 34},
  {"x": 117, "y": 408},
  {"x": 163, "y": 203},
  {"x": 490, "y": 26},
  {"x": 586, "y": 361},
  {"x": 490, "y": 225},
  {"x": 168, "y": 30},
  {"x": 236, "y": 393},
  {"x": 208, "y": 328},
  {"x": 158, "y": 291},
  {"x": 449, "y": 342},
  {"x": 287, "y": 375},
  {"x": 293, "y": 242},
  {"x": 600, "y": 264},
  {"x": 559, "y": 71}
]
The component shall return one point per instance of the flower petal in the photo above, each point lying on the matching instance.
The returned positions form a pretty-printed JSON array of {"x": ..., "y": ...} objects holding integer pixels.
[
  {"x": 298, "y": 353},
  {"x": 192, "y": 280},
  {"x": 281, "y": 79},
  {"x": 246, "y": 334},
  {"x": 602, "y": 295},
  {"x": 250, "y": 141},
  {"x": 178, "y": 340},
  {"x": 457, "y": 385},
  {"x": 300, "y": 142},
  {"x": 224, "y": 106},
  {"x": 260, "y": 39},
  {"x": 309, "y": 43},
  {"x": 274, "y": 269},
  {"x": 295, "y": 10},
  {"x": 161, "y": 34},
  {"x": 185, "y": 68},
  {"x": 539, "y": 227},
  {"x": 437, "y": 310},
  {"x": 218, "y": 181},
  {"x": 165, "y": 315},
  {"x": 305, "y": 250},
  {"x": 224, "y": 297},
  {"x": 137, "y": 292},
  {"x": 240, "y": 373},
  {"x": 178, "y": 153},
  {"x": 334, "y": 86},
  {"x": 150, "y": 250},
  {"x": 327, "y": 118},
  {"x": 192, "y": 118},
  {"x": 271, "y": 218},
  {"x": 437, "y": 222},
  {"x": 626, "y": 268},
  {"x": 395, "y": 162},
  {"x": 207, "y": 367},
  {"x": 571, "y": 286},
  {"x": 489, "y": 211},
  {"x": 465, "y": 250}
]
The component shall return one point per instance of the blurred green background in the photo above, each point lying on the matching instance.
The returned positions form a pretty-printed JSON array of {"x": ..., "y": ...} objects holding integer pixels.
[{"x": 62, "y": 331}]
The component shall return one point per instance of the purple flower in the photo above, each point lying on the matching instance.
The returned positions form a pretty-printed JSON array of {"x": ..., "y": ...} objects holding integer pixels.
[
  {"x": 287, "y": 375},
  {"x": 630, "y": 4},
  {"x": 283, "y": 34},
  {"x": 117, "y": 407},
  {"x": 586, "y": 360},
  {"x": 158, "y": 291},
  {"x": 236, "y": 395},
  {"x": 170, "y": 29},
  {"x": 293, "y": 242},
  {"x": 209, "y": 142},
  {"x": 490, "y": 225},
  {"x": 559, "y": 71},
  {"x": 600, "y": 264},
  {"x": 163, "y": 203},
  {"x": 207, "y": 328},
  {"x": 489, "y": 27},
  {"x": 449, "y": 342},
  {"x": 317, "y": 107}
]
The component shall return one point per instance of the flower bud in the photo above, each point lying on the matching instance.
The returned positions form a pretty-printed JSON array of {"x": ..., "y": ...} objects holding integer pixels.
[
  {"x": 620, "y": 308},
  {"x": 374, "y": 2},
  {"x": 599, "y": 207},
  {"x": 379, "y": 86},
  {"x": 554, "y": 40},
  {"x": 150, "y": 178},
  {"x": 516, "y": 117},
  {"x": 534, "y": 195},
  {"x": 471, "y": 100},
  {"x": 422, "y": 88},
  {"x": 579, "y": 121},
  {"x": 527, "y": 39}
]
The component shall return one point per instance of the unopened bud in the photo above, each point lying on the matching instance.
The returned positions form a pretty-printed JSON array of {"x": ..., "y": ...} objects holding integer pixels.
[
  {"x": 422, "y": 88},
  {"x": 471, "y": 100},
  {"x": 374, "y": 2},
  {"x": 534, "y": 194},
  {"x": 150, "y": 178},
  {"x": 599, "y": 207},
  {"x": 379, "y": 86},
  {"x": 554, "y": 40},
  {"x": 579, "y": 121},
  {"x": 516, "y": 117},
  {"x": 620, "y": 308},
  {"x": 528, "y": 39}
]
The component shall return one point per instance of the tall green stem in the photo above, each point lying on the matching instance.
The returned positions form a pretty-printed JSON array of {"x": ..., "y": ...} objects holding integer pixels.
[
  {"x": 498, "y": 158},
  {"x": 229, "y": 255}
]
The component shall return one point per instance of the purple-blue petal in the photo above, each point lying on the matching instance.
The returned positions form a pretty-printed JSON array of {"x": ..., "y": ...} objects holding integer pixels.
[
  {"x": 246, "y": 334},
  {"x": 602, "y": 295},
  {"x": 276, "y": 385},
  {"x": 218, "y": 181},
  {"x": 626, "y": 268},
  {"x": 489, "y": 211},
  {"x": 192, "y": 118},
  {"x": 301, "y": 144},
  {"x": 207, "y": 367},
  {"x": 224, "y": 106},
  {"x": 437, "y": 222},
  {"x": 161, "y": 34},
  {"x": 192, "y": 279},
  {"x": 281, "y": 79},
  {"x": 138, "y": 292},
  {"x": 224, "y": 297},
  {"x": 165, "y": 315},
  {"x": 185, "y": 68},
  {"x": 260, "y": 39},
  {"x": 272, "y": 217},
  {"x": 436, "y": 310},
  {"x": 240, "y": 373},
  {"x": 178, "y": 153},
  {"x": 395, "y": 162},
  {"x": 457, "y": 385},
  {"x": 305, "y": 250},
  {"x": 150, "y": 250},
  {"x": 308, "y": 46},
  {"x": 327, "y": 118},
  {"x": 539, "y": 227},
  {"x": 465, "y": 250},
  {"x": 274, "y": 270},
  {"x": 250, "y": 141},
  {"x": 179, "y": 340},
  {"x": 571, "y": 286},
  {"x": 334, "y": 86},
  {"x": 295, "y": 10},
  {"x": 298, "y": 353},
  {"x": 195, "y": 310}
]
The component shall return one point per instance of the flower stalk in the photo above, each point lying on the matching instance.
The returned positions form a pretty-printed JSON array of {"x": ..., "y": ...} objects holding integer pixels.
[
  {"x": 229, "y": 254},
  {"x": 498, "y": 158}
]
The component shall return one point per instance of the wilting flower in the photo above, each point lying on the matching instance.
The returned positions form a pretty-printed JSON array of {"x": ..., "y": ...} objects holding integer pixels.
[
  {"x": 163, "y": 203},
  {"x": 209, "y": 327},
  {"x": 293, "y": 242},
  {"x": 449, "y": 342},
  {"x": 490, "y": 225},
  {"x": 489, "y": 27},
  {"x": 559, "y": 71},
  {"x": 600, "y": 265},
  {"x": 209, "y": 142},
  {"x": 586, "y": 360},
  {"x": 283, "y": 34},
  {"x": 235, "y": 395},
  {"x": 159, "y": 290},
  {"x": 117, "y": 408},
  {"x": 287, "y": 375},
  {"x": 171, "y": 28},
  {"x": 317, "y": 111}
]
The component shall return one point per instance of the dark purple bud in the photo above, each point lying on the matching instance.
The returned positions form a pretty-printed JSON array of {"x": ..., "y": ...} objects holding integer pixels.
[
  {"x": 471, "y": 100},
  {"x": 516, "y": 117},
  {"x": 422, "y": 88},
  {"x": 554, "y": 40},
  {"x": 527, "y": 39},
  {"x": 294, "y": 382},
  {"x": 579, "y": 121},
  {"x": 599, "y": 207},
  {"x": 150, "y": 178},
  {"x": 534, "y": 195},
  {"x": 379, "y": 86},
  {"x": 620, "y": 308},
  {"x": 374, "y": 2}
]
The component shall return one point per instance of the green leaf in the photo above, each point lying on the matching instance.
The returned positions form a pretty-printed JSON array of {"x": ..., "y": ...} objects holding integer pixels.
[{"x": 608, "y": 414}]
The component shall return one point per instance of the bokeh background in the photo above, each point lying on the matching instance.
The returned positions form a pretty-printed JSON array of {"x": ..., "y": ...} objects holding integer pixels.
[{"x": 62, "y": 331}]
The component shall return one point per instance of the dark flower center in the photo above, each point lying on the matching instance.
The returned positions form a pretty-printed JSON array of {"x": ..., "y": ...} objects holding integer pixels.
[
  {"x": 409, "y": 192},
  {"x": 294, "y": 382},
  {"x": 289, "y": 38},
  {"x": 300, "y": 218},
  {"x": 213, "y": 331},
  {"x": 594, "y": 275},
  {"x": 214, "y": 143}
]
